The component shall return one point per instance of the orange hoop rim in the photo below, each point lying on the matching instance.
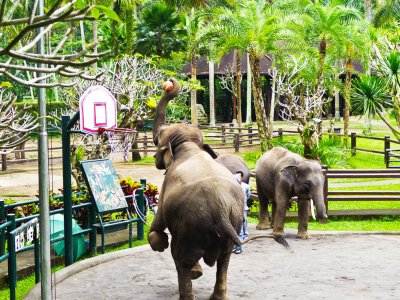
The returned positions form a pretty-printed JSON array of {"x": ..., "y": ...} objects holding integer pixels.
[{"x": 116, "y": 130}]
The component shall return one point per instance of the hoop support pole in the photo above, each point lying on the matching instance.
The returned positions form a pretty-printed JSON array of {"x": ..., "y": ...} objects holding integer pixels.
[{"x": 66, "y": 161}]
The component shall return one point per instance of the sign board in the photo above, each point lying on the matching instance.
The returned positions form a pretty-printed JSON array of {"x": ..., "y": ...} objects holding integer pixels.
[
  {"x": 98, "y": 109},
  {"x": 103, "y": 184},
  {"x": 24, "y": 235}
]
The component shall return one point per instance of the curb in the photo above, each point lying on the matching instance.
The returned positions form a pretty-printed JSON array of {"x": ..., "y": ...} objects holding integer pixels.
[{"x": 60, "y": 276}]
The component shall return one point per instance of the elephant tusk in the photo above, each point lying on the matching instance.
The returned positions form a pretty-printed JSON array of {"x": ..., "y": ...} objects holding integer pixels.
[{"x": 312, "y": 209}]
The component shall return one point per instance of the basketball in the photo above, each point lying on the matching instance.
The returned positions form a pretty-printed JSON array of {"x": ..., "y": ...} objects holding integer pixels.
[{"x": 167, "y": 86}]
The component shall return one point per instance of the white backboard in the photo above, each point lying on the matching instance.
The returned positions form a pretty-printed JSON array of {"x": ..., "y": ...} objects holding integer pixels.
[{"x": 98, "y": 109}]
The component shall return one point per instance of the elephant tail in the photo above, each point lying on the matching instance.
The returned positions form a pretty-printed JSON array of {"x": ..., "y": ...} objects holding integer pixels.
[
  {"x": 226, "y": 230},
  {"x": 224, "y": 227}
]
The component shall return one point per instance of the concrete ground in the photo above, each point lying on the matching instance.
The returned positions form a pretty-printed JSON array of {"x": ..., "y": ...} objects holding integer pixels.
[{"x": 327, "y": 266}]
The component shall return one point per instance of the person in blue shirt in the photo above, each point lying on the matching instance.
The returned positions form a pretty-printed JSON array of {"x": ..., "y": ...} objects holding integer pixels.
[{"x": 244, "y": 233}]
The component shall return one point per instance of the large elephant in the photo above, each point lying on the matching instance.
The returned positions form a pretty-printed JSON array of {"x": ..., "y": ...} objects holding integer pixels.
[
  {"x": 280, "y": 175},
  {"x": 234, "y": 163},
  {"x": 200, "y": 203}
]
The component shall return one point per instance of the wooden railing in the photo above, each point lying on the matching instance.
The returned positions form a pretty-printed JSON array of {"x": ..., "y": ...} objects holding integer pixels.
[
  {"x": 230, "y": 137},
  {"x": 348, "y": 195}
]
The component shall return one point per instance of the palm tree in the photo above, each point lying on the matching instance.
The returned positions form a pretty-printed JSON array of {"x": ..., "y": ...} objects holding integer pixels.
[
  {"x": 252, "y": 27},
  {"x": 370, "y": 97},
  {"x": 327, "y": 28},
  {"x": 159, "y": 31},
  {"x": 389, "y": 10}
]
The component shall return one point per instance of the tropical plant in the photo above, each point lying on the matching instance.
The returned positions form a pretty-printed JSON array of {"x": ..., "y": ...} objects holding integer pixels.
[
  {"x": 369, "y": 96},
  {"x": 159, "y": 31}
]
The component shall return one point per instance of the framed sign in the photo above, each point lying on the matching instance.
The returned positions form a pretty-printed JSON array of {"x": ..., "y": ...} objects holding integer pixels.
[{"x": 103, "y": 185}]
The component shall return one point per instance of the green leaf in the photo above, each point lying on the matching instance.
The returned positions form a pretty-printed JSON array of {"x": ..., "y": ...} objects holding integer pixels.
[
  {"x": 80, "y": 4},
  {"x": 111, "y": 14},
  {"x": 95, "y": 13},
  {"x": 6, "y": 84}
]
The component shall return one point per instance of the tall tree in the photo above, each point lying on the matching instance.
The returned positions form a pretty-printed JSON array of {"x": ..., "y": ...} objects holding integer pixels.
[
  {"x": 160, "y": 31},
  {"x": 253, "y": 27}
]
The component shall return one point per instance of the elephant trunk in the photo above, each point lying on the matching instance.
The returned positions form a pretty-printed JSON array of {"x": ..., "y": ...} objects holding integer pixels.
[
  {"x": 321, "y": 209},
  {"x": 160, "y": 116}
]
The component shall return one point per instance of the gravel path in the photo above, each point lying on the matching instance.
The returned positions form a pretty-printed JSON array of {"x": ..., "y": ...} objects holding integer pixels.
[{"x": 329, "y": 266}]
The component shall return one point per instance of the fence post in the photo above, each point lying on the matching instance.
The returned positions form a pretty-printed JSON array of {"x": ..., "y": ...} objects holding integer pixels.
[
  {"x": 140, "y": 224},
  {"x": 223, "y": 134},
  {"x": 2, "y": 233},
  {"x": 231, "y": 127},
  {"x": 236, "y": 142},
  {"x": 280, "y": 133},
  {"x": 386, "y": 148},
  {"x": 353, "y": 146},
  {"x": 36, "y": 253},
  {"x": 12, "y": 258},
  {"x": 250, "y": 129},
  {"x": 325, "y": 172},
  {"x": 4, "y": 162},
  {"x": 145, "y": 146},
  {"x": 92, "y": 234}
]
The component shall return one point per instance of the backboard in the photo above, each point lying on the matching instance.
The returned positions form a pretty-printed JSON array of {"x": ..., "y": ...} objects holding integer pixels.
[
  {"x": 103, "y": 184},
  {"x": 98, "y": 109}
]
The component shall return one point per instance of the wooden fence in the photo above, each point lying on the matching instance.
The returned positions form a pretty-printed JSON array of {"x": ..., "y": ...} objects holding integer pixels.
[
  {"x": 230, "y": 137},
  {"x": 365, "y": 195}
]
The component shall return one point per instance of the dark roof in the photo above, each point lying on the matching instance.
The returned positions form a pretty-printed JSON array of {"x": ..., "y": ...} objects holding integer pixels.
[{"x": 227, "y": 64}]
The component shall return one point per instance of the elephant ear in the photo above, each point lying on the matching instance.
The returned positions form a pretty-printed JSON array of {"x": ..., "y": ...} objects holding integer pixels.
[
  {"x": 290, "y": 171},
  {"x": 210, "y": 151}
]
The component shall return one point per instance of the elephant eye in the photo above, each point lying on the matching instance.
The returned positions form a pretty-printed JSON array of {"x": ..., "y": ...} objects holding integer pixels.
[{"x": 307, "y": 184}]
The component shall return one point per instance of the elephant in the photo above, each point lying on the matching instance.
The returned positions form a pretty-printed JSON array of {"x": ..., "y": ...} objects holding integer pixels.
[
  {"x": 201, "y": 203},
  {"x": 282, "y": 174},
  {"x": 234, "y": 163}
]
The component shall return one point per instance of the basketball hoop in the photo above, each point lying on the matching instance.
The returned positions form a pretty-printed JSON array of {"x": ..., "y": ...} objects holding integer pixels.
[{"x": 120, "y": 140}]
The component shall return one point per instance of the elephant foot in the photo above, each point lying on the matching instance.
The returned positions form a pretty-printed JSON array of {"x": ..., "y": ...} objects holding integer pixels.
[
  {"x": 186, "y": 297},
  {"x": 158, "y": 241},
  {"x": 278, "y": 231},
  {"x": 218, "y": 296},
  {"x": 263, "y": 226},
  {"x": 196, "y": 271},
  {"x": 302, "y": 235}
]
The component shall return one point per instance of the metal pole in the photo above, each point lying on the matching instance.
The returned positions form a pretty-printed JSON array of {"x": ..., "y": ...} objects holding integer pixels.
[
  {"x": 43, "y": 180},
  {"x": 66, "y": 158},
  {"x": 140, "y": 224}
]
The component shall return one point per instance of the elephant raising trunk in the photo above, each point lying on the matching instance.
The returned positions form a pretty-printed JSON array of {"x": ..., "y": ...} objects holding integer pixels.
[{"x": 160, "y": 118}]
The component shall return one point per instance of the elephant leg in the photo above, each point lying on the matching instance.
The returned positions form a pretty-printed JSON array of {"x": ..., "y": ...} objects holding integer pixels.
[
  {"x": 184, "y": 280},
  {"x": 264, "y": 218},
  {"x": 196, "y": 271},
  {"x": 279, "y": 217},
  {"x": 158, "y": 240},
  {"x": 303, "y": 218},
  {"x": 273, "y": 214},
  {"x": 221, "y": 278}
]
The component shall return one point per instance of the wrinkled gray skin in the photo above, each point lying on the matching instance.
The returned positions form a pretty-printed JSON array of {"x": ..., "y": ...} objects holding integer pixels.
[
  {"x": 234, "y": 163},
  {"x": 280, "y": 175},
  {"x": 200, "y": 203}
]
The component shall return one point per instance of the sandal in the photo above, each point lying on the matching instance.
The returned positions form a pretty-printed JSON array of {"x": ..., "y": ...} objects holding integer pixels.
[{"x": 238, "y": 251}]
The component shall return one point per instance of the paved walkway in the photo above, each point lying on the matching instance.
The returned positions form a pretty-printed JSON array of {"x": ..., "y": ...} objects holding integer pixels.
[{"x": 327, "y": 266}]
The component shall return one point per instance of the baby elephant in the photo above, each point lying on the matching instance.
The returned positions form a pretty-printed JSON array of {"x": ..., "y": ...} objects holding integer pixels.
[{"x": 280, "y": 175}]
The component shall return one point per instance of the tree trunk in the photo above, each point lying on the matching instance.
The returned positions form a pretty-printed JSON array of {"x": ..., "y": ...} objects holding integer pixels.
[
  {"x": 346, "y": 110},
  {"x": 248, "y": 96},
  {"x": 261, "y": 117},
  {"x": 212, "y": 92},
  {"x": 238, "y": 88},
  {"x": 193, "y": 95},
  {"x": 129, "y": 29},
  {"x": 273, "y": 100},
  {"x": 368, "y": 10},
  {"x": 322, "y": 56}
]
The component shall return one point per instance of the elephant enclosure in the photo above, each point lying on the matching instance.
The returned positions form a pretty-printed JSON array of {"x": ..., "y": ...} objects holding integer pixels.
[{"x": 328, "y": 266}]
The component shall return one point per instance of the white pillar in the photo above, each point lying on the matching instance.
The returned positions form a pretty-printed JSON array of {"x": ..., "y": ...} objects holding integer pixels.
[
  {"x": 212, "y": 92},
  {"x": 248, "y": 92}
]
